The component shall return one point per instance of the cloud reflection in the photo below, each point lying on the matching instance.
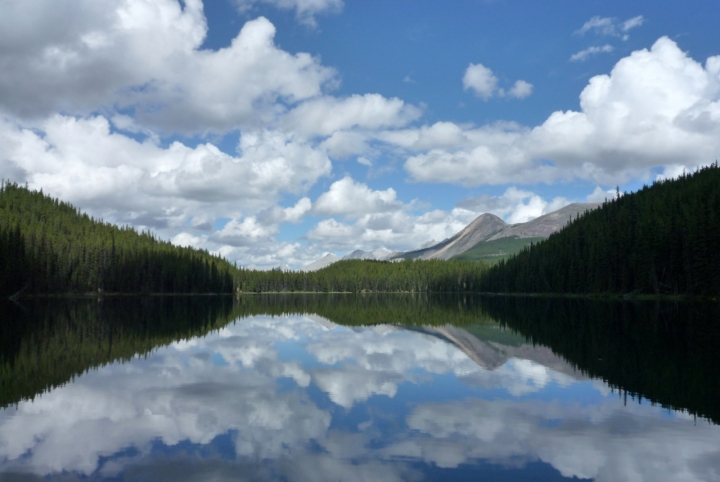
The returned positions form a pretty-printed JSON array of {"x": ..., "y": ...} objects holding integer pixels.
[{"x": 253, "y": 386}]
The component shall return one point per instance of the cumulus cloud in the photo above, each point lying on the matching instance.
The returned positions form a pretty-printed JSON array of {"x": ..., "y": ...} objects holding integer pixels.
[
  {"x": 347, "y": 197},
  {"x": 259, "y": 228},
  {"x": 658, "y": 107},
  {"x": 145, "y": 57},
  {"x": 601, "y": 195},
  {"x": 520, "y": 89},
  {"x": 481, "y": 80},
  {"x": 589, "y": 52},
  {"x": 438, "y": 135},
  {"x": 484, "y": 83},
  {"x": 326, "y": 115},
  {"x": 82, "y": 161},
  {"x": 306, "y": 10}
]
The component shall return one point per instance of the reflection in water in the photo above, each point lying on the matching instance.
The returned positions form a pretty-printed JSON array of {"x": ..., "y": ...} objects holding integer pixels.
[{"x": 297, "y": 396}]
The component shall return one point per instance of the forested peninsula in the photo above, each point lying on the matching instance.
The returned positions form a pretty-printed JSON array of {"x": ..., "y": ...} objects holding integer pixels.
[{"x": 661, "y": 240}]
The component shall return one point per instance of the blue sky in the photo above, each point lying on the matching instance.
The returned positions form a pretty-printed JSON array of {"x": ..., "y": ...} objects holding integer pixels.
[{"x": 274, "y": 131}]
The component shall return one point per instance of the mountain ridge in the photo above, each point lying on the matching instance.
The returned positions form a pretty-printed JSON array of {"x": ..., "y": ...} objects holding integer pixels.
[
  {"x": 485, "y": 228},
  {"x": 489, "y": 227}
]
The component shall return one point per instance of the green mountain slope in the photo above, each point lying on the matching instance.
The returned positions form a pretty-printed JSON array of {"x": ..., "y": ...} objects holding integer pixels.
[
  {"x": 48, "y": 246},
  {"x": 494, "y": 251},
  {"x": 662, "y": 239}
]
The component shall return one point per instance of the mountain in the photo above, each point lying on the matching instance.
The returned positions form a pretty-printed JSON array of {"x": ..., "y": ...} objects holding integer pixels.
[
  {"x": 379, "y": 254},
  {"x": 479, "y": 239},
  {"x": 480, "y": 229},
  {"x": 321, "y": 263}
]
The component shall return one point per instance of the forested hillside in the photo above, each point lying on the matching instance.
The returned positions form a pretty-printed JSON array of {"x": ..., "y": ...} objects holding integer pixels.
[
  {"x": 48, "y": 246},
  {"x": 663, "y": 239}
]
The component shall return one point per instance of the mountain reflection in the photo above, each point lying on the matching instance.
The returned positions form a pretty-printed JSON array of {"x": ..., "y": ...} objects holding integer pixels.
[{"x": 333, "y": 388}]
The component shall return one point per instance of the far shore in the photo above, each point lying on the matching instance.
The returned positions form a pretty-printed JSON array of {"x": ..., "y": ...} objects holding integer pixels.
[{"x": 593, "y": 296}]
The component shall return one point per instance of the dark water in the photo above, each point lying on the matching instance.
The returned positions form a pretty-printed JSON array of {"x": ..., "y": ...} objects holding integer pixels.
[{"x": 359, "y": 388}]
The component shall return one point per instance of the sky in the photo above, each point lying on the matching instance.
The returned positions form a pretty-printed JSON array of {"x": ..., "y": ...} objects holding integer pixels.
[{"x": 273, "y": 132}]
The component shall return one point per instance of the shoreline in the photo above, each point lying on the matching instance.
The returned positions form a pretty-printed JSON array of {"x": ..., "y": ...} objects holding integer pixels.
[{"x": 589, "y": 296}]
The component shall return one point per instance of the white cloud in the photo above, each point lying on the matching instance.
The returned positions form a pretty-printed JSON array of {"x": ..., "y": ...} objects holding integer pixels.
[
  {"x": 520, "y": 89},
  {"x": 306, "y": 10},
  {"x": 347, "y": 197},
  {"x": 589, "y": 52},
  {"x": 484, "y": 83},
  {"x": 481, "y": 80},
  {"x": 441, "y": 134},
  {"x": 610, "y": 26},
  {"x": 632, "y": 23},
  {"x": 247, "y": 232},
  {"x": 657, "y": 107},
  {"x": 345, "y": 144},
  {"x": 327, "y": 115},
  {"x": 81, "y": 161},
  {"x": 601, "y": 195},
  {"x": 600, "y": 25},
  {"x": 144, "y": 56}
]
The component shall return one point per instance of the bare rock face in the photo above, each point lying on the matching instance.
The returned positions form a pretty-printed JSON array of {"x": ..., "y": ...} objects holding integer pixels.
[
  {"x": 481, "y": 228},
  {"x": 321, "y": 263}
]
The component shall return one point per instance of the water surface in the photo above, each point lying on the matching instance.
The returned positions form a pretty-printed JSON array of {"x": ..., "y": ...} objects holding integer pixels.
[{"x": 359, "y": 388}]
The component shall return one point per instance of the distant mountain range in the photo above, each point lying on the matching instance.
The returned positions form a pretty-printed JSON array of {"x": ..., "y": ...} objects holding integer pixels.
[
  {"x": 487, "y": 238},
  {"x": 379, "y": 254}
]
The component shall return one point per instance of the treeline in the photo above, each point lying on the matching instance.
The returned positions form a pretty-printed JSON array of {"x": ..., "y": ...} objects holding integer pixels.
[
  {"x": 356, "y": 276},
  {"x": 662, "y": 239},
  {"x": 48, "y": 246}
]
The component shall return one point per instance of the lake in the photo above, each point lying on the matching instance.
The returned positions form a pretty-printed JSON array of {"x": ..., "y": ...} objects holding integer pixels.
[{"x": 359, "y": 388}]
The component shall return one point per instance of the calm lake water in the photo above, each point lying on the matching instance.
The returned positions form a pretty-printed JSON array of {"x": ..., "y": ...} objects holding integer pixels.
[{"x": 359, "y": 388}]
